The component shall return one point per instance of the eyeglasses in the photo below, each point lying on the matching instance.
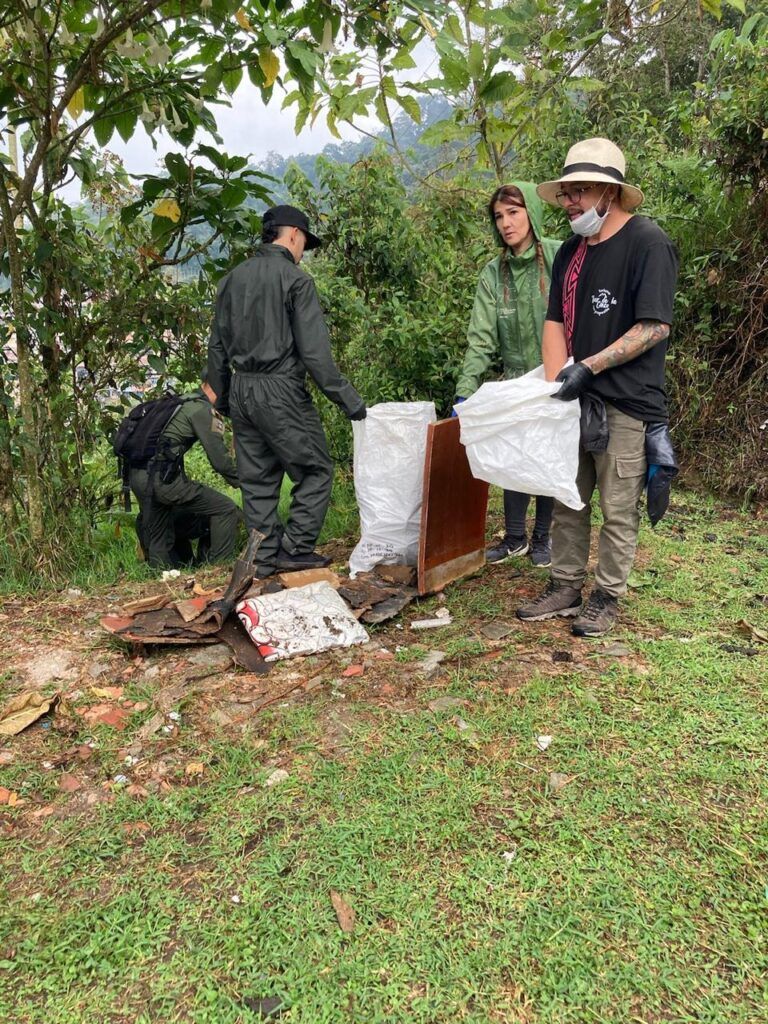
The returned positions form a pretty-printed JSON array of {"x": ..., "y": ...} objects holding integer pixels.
[{"x": 573, "y": 194}]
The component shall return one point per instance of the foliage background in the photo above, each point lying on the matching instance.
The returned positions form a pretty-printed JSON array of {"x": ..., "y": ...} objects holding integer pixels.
[{"x": 116, "y": 294}]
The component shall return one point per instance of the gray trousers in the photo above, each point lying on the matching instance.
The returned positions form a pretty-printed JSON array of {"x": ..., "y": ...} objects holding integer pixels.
[
  {"x": 619, "y": 475},
  {"x": 277, "y": 432}
]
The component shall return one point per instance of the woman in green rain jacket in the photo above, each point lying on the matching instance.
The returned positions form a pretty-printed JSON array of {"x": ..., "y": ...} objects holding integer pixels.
[{"x": 506, "y": 325}]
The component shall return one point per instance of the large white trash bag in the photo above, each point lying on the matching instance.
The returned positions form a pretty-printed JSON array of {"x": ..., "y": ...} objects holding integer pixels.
[
  {"x": 390, "y": 445},
  {"x": 520, "y": 438}
]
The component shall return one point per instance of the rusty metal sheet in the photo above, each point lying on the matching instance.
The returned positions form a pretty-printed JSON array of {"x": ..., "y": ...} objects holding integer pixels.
[
  {"x": 365, "y": 590},
  {"x": 390, "y": 607},
  {"x": 453, "y": 511},
  {"x": 218, "y": 611},
  {"x": 401, "y": 575},
  {"x": 243, "y": 649},
  {"x": 372, "y": 600},
  {"x": 163, "y": 626}
]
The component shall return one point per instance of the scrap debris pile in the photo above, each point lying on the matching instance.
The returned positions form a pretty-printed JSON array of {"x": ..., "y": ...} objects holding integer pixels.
[{"x": 262, "y": 621}]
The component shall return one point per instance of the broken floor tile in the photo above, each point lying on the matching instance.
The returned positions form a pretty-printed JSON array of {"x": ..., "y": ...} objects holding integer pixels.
[
  {"x": 615, "y": 650},
  {"x": 557, "y": 781},
  {"x": 497, "y": 630},
  {"x": 562, "y": 656},
  {"x": 446, "y": 703},
  {"x": 216, "y": 656},
  {"x": 442, "y": 618},
  {"x": 277, "y": 776},
  {"x": 51, "y": 665},
  {"x": 430, "y": 665}
]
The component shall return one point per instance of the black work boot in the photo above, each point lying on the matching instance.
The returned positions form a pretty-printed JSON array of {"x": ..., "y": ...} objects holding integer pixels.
[
  {"x": 287, "y": 562},
  {"x": 558, "y": 599},
  {"x": 597, "y": 616}
]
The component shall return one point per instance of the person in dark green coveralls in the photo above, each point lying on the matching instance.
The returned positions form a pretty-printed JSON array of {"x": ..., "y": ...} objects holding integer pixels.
[
  {"x": 506, "y": 324},
  {"x": 175, "y": 508},
  {"x": 268, "y": 332}
]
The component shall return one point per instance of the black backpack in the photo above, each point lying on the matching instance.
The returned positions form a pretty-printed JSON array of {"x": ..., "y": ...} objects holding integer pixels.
[{"x": 136, "y": 440}]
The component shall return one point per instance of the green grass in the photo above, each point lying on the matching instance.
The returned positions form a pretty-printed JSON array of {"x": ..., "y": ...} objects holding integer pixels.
[
  {"x": 638, "y": 893},
  {"x": 85, "y": 556}
]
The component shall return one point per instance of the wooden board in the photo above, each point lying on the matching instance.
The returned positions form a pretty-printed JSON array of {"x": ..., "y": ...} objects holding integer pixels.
[{"x": 453, "y": 511}]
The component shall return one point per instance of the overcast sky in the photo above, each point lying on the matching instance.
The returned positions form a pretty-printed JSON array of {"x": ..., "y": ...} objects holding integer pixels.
[{"x": 248, "y": 128}]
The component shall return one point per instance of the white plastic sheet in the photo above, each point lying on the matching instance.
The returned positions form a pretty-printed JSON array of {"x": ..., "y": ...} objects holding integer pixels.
[
  {"x": 300, "y": 620},
  {"x": 519, "y": 438},
  {"x": 390, "y": 445}
]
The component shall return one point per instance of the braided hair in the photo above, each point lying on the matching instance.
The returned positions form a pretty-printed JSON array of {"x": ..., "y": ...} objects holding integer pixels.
[{"x": 512, "y": 195}]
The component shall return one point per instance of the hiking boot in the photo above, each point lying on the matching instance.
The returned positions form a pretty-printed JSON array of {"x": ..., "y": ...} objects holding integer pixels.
[
  {"x": 558, "y": 599},
  {"x": 541, "y": 552},
  {"x": 286, "y": 562},
  {"x": 597, "y": 616},
  {"x": 512, "y": 548}
]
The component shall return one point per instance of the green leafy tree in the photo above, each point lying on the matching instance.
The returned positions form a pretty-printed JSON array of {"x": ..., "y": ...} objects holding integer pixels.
[
  {"x": 396, "y": 273},
  {"x": 506, "y": 69},
  {"x": 72, "y": 71}
]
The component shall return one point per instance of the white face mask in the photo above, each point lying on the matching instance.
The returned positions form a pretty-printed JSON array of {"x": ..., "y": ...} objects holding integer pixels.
[{"x": 590, "y": 222}]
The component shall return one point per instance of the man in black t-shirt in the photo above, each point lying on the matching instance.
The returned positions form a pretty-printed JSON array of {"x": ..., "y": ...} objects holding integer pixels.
[{"x": 610, "y": 308}]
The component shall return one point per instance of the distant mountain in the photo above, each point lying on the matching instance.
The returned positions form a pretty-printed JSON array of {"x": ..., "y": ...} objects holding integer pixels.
[
  {"x": 407, "y": 132},
  {"x": 421, "y": 157}
]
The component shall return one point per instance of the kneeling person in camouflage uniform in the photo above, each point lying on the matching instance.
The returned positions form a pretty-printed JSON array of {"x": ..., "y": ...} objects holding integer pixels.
[{"x": 166, "y": 495}]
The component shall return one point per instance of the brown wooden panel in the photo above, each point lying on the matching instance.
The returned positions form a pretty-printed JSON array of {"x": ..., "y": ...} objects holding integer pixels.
[{"x": 453, "y": 510}]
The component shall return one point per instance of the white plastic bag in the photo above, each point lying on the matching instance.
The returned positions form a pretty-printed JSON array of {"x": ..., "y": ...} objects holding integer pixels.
[
  {"x": 299, "y": 620},
  {"x": 519, "y": 438},
  {"x": 390, "y": 445}
]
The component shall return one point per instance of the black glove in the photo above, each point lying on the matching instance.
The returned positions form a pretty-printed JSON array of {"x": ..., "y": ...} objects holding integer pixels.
[
  {"x": 361, "y": 413},
  {"x": 575, "y": 379}
]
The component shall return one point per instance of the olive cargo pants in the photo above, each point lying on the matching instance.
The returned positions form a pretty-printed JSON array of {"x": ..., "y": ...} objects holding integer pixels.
[
  {"x": 619, "y": 474},
  {"x": 277, "y": 432},
  {"x": 161, "y": 502}
]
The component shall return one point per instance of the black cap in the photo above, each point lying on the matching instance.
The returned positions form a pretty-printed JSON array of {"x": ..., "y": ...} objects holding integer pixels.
[{"x": 290, "y": 217}]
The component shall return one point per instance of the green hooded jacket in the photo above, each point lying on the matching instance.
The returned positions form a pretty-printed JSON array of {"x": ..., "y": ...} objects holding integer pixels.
[{"x": 509, "y": 309}]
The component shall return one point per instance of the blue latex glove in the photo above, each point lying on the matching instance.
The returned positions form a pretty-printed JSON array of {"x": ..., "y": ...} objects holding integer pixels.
[
  {"x": 652, "y": 470},
  {"x": 457, "y": 401}
]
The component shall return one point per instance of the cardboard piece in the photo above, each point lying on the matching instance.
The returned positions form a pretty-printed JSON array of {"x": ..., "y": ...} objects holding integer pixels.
[
  {"x": 147, "y": 604},
  {"x": 24, "y": 709},
  {"x": 305, "y": 576}
]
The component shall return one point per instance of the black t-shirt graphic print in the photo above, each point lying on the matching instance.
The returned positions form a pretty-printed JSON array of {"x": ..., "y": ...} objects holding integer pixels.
[{"x": 629, "y": 277}]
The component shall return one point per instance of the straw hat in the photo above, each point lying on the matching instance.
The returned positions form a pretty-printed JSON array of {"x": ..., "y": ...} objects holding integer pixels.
[{"x": 593, "y": 160}]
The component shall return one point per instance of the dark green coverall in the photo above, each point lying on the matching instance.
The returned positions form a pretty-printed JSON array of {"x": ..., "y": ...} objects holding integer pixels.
[
  {"x": 165, "y": 493},
  {"x": 268, "y": 332}
]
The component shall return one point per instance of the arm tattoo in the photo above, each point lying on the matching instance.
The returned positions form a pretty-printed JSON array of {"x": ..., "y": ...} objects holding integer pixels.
[{"x": 638, "y": 339}]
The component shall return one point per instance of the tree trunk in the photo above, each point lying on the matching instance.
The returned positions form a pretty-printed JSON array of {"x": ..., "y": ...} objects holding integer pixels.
[
  {"x": 7, "y": 508},
  {"x": 54, "y": 451},
  {"x": 33, "y": 484}
]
